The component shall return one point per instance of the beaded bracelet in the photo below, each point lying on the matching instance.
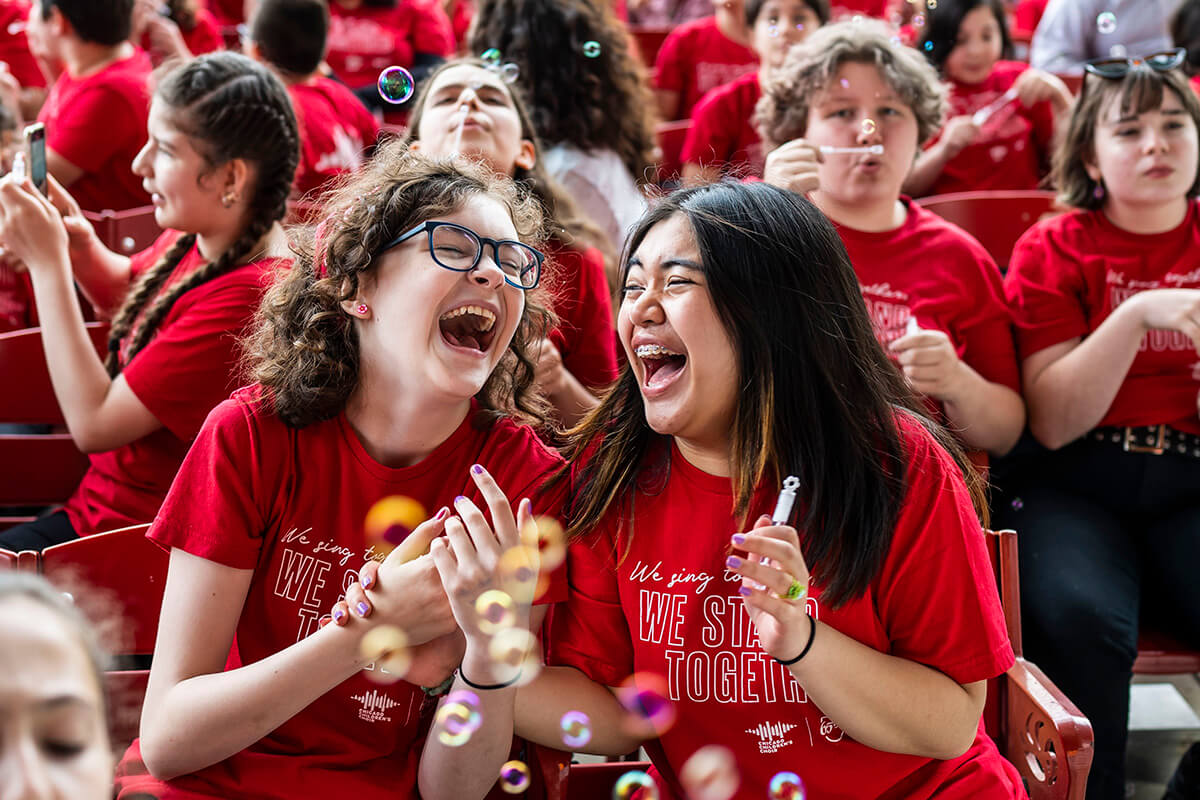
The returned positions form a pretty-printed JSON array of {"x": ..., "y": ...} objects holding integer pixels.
[
  {"x": 485, "y": 687},
  {"x": 812, "y": 634}
]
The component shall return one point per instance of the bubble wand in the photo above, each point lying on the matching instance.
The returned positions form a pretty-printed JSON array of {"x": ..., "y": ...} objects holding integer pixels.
[
  {"x": 873, "y": 149},
  {"x": 982, "y": 115},
  {"x": 463, "y": 111}
]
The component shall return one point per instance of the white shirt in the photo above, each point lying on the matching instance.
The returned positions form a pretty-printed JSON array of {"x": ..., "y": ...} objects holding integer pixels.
[
  {"x": 601, "y": 187},
  {"x": 1074, "y": 31}
]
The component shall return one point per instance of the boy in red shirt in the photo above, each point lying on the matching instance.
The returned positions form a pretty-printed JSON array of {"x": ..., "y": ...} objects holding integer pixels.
[
  {"x": 95, "y": 114},
  {"x": 701, "y": 55},
  {"x": 336, "y": 130},
  {"x": 723, "y": 138}
]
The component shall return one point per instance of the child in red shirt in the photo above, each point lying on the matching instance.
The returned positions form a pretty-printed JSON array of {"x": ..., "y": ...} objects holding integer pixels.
[
  {"x": 465, "y": 108},
  {"x": 382, "y": 371},
  {"x": 14, "y": 48},
  {"x": 785, "y": 670},
  {"x": 219, "y": 163},
  {"x": 700, "y": 55},
  {"x": 1002, "y": 113},
  {"x": 1107, "y": 305},
  {"x": 95, "y": 113},
  {"x": 722, "y": 138},
  {"x": 932, "y": 292},
  {"x": 185, "y": 30},
  {"x": 336, "y": 130}
]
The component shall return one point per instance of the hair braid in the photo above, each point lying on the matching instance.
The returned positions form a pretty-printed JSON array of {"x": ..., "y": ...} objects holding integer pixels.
[{"x": 231, "y": 108}]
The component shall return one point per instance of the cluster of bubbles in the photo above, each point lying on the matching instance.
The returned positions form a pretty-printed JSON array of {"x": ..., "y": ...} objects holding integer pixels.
[
  {"x": 396, "y": 85},
  {"x": 1106, "y": 22},
  {"x": 635, "y": 785},
  {"x": 710, "y": 774},
  {"x": 785, "y": 786},
  {"x": 508, "y": 72},
  {"x": 514, "y": 777}
]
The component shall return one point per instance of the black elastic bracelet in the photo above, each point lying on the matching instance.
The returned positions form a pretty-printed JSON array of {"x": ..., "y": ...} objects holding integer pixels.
[
  {"x": 485, "y": 687},
  {"x": 812, "y": 634}
]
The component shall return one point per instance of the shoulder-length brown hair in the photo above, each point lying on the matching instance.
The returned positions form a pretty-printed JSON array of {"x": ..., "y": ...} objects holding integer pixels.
[
  {"x": 304, "y": 350},
  {"x": 1140, "y": 90}
]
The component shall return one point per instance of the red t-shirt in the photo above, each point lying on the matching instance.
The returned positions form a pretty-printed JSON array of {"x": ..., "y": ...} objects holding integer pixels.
[
  {"x": 14, "y": 48},
  {"x": 17, "y": 309},
  {"x": 186, "y": 369},
  {"x": 1013, "y": 144},
  {"x": 460, "y": 21},
  {"x": 722, "y": 134},
  {"x": 1028, "y": 14},
  {"x": 933, "y": 270},
  {"x": 204, "y": 37},
  {"x": 696, "y": 58},
  {"x": 228, "y": 12},
  {"x": 335, "y": 130},
  {"x": 1068, "y": 274},
  {"x": 870, "y": 8},
  {"x": 98, "y": 123},
  {"x": 365, "y": 41},
  {"x": 584, "y": 335},
  {"x": 289, "y": 504},
  {"x": 670, "y": 607}
]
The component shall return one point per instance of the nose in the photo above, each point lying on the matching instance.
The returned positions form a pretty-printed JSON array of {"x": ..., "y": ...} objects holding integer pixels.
[
  {"x": 23, "y": 772},
  {"x": 1155, "y": 140},
  {"x": 487, "y": 272},
  {"x": 468, "y": 97},
  {"x": 141, "y": 161},
  {"x": 644, "y": 308},
  {"x": 868, "y": 131}
]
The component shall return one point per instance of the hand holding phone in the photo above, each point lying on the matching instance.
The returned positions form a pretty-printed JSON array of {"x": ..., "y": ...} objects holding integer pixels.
[{"x": 35, "y": 140}]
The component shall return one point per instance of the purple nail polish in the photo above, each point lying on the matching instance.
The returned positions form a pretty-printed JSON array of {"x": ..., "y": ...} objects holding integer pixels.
[
  {"x": 339, "y": 615},
  {"x": 744, "y": 591},
  {"x": 459, "y": 499},
  {"x": 366, "y": 581},
  {"x": 361, "y": 608},
  {"x": 733, "y": 561},
  {"x": 739, "y": 539},
  {"x": 478, "y": 470}
]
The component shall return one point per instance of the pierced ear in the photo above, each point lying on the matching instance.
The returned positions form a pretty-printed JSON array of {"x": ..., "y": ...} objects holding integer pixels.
[
  {"x": 526, "y": 156},
  {"x": 356, "y": 308},
  {"x": 415, "y": 145},
  {"x": 237, "y": 178}
]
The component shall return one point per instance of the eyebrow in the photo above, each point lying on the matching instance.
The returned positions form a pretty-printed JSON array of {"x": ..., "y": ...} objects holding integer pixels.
[
  {"x": 64, "y": 700},
  {"x": 686, "y": 263},
  {"x": 458, "y": 87}
]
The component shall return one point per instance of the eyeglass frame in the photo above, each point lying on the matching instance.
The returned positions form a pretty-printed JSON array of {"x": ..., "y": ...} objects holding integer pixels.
[
  {"x": 430, "y": 225},
  {"x": 1178, "y": 55}
]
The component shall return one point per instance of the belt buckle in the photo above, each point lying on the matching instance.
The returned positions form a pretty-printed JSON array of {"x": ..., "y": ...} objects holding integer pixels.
[{"x": 1130, "y": 445}]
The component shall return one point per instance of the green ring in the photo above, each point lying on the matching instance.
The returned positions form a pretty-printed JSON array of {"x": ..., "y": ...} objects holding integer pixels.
[{"x": 796, "y": 590}]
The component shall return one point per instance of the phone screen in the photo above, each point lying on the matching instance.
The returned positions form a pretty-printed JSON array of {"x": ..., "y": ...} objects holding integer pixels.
[{"x": 35, "y": 137}]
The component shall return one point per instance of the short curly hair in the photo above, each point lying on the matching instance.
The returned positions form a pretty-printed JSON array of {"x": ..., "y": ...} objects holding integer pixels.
[{"x": 782, "y": 111}]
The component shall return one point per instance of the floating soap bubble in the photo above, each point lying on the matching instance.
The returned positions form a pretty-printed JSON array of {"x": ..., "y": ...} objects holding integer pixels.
[
  {"x": 929, "y": 47},
  {"x": 514, "y": 777},
  {"x": 635, "y": 785},
  {"x": 786, "y": 786},
  {"x": 396, "y": 85},
  {"x": 551, "y": 541},
  {"x": 518, "y": 571},
  {"x": 1017, "y": 504},
  {"x": 491, "y": 56},
  {"x": 772, "y": 30},
  {"x": 496, "y": 611},
  {"x": 576, "y": 729},
  {"x": 1106, "y": 22},
  {"x": 386, "y": 646},
  {"x": 931, "y": 5},
  {"x": 646, "y": 697},
  {"x": 918, "y": 21},
  {"x": 710, "y": 774},
  {"x": 1117, "y": 51},
  {"x": 510, "y": 72},
  {"x": 868, "y": 126},
  {"x": 516, "y": 648},
  {"x": 458, "y": 718},
  {"x": 390, "y": 521},
  {"x": 591, "y": 49}
]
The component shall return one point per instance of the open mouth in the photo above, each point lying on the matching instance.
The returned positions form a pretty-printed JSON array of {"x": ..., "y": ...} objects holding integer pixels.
[
  {"x": 471, "y": 327},
  {"x": 660, "y": 364}
]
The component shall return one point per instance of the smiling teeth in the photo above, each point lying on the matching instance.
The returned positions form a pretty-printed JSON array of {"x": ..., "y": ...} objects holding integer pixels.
[
  {"x": 654, "y": 351},
  {"x": 489, "y": 319}
]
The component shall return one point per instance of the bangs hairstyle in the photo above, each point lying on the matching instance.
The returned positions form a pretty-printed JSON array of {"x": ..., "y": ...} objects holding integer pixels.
[
  {"x": 818, "y": 398},
  {"x": 940, "y": 35},
  {"x": 1141, "y": 90},
  {"x": 810, "y": 67},
  {"x": 819, "y": 7},
  {"x": 304, "y": 350}
]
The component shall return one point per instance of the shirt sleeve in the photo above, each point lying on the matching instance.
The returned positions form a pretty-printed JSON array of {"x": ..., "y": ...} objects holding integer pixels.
[
  {"x": 986, "y": 332},
  {"x": 589, "y": 631},
  {"x": 430, "y": 30},
  {"x": 1045, "y": 289},
  {"x": 215, "y": 508},
  {"x": 671, "y": 63},
  {"x": 95, "y": 127},
  {"x": 937, "y": 593},
  {"x": 585, "y": 331},
  {"x": 1059, "y": 43},
  {"x": 188, "y": 367},
  {"x": 712, "y": 138}
]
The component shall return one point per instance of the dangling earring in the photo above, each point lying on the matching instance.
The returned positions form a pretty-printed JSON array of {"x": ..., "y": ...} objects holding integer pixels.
[
  {"x": 362, "y": 309},
  {"x": 1099, "y": 192}
]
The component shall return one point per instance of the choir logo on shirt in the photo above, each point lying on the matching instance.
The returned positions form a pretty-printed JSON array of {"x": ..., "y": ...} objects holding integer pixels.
[
  {"x": 375, "y": 705},
  {"x": 889, "y": 311},
  {"x": 772, "y": 736}
]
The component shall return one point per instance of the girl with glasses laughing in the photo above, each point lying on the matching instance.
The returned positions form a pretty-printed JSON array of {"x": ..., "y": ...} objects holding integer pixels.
[{"x": 1107, "y": 305}]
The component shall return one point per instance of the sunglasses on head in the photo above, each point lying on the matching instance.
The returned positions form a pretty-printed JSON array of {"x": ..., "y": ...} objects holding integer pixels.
[{"x": 1115, "y": 68}]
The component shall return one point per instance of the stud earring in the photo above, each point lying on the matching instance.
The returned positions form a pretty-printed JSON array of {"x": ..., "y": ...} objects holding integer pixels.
[
  {"x": 362, "y": 309},
  {"x": 228, "y": 199}
]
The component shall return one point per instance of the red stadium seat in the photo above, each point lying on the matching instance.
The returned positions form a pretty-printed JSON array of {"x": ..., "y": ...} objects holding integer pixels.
[
  {"x": 8, "y": 560},
  {"x": 996, "y": 218},
  {"x": 648, "y": 39},
  {"x": 125, "y": 232},
  {"x": 671, "y": 136},
  {"x": 1160, "y": 654}
]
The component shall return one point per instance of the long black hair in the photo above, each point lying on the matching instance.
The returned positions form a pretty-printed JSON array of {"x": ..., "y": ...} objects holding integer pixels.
[
  {"x": 940, "y": 34},
  {"x": 230, "y": 107},
  {"x": 818, "y": 398}
]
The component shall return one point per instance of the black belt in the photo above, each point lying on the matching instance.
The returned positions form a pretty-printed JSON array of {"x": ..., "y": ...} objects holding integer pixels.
[{"x": 1153, "y": 439}]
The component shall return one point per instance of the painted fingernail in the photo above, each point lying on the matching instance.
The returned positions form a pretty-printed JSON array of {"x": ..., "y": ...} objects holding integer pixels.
[
  {"x": 361, "y": 608},
  {"x": 478, "y": 470},
  {"x": 739, "y": 539},
  {"x": 323, "y": 621},
  {"x": 339, "y": 615},
  {"x": 441, "y": 515},
  {"x": 459, "y": 499},
  {"x": 744, "y": 591},
  {"x": 733, "y": 561},
  {"x": 366, "y": 581}
]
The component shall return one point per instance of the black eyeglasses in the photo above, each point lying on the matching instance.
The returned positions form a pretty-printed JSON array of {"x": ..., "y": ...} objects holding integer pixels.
[
  {"x": 458, "y": 248},
  {"x": 1115, "y": 68}
]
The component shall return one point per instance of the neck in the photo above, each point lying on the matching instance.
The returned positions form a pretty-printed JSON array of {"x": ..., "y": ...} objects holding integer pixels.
[
  {"x": 407, "y": 427},
  {"x": 213, "y": 244},
  {"x": 885, "y": 215},
  {"x": 733, "y": 25},
  {"x": 710, "y": 458},
  {"x": 1147, "y": 219},
  {"x": 87, "y": 58}
]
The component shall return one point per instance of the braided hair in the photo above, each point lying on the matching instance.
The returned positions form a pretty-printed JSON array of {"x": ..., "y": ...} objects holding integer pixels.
[{"x": 230, "y": 107}]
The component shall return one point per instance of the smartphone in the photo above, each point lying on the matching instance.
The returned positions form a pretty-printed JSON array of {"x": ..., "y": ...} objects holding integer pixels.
[{"x": 35, "y": 140}]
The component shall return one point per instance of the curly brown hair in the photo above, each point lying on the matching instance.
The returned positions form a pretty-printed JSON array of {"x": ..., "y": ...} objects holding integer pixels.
[
  {"x": 592, "y": 99},
  {"x": 304, "y": 349},
  {"x": 782, "y": 111}
]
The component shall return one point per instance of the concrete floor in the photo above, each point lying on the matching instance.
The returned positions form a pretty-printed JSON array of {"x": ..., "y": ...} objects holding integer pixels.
[{"x": 1159, "y": 737}]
